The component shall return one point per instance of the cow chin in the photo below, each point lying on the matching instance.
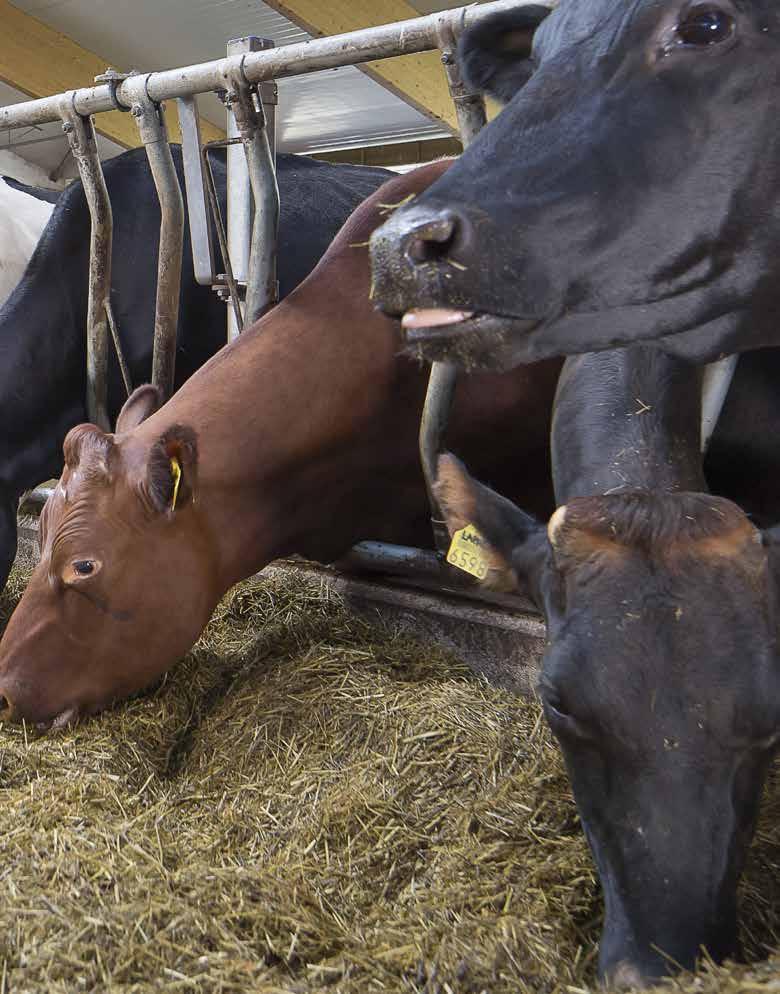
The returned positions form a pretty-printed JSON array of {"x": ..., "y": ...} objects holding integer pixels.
[{"x": 487, "y": 342}]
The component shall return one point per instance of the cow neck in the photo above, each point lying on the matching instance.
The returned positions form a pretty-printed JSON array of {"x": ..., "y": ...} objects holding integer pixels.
[
  {"x": 627, "y": 419},
  {"x": 286, "y": 421},
  {"x": 42, "y": 380}
]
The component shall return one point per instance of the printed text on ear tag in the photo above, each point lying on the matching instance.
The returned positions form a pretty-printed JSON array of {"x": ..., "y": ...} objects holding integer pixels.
[
  {"x": 176, "y": 474},
  {"x": 467, "y": 552}
]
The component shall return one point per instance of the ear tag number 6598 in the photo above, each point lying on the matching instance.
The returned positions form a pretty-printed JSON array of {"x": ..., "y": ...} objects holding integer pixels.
[{"x": 467, "y": 552}]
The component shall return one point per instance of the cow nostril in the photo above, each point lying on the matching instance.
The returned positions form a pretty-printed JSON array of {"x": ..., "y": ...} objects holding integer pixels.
[
  {"x": 6, "y": 708},
  {"x": 432, "y": 240}
]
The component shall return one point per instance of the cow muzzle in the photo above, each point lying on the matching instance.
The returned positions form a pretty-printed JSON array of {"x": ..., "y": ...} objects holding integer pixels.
[
  {"x": 420, "y": 258},
  {"x": 426, "y": 271}
]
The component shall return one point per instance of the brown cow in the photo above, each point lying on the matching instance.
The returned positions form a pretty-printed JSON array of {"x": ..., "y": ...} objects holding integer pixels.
[{"x": 298, "y": 438}]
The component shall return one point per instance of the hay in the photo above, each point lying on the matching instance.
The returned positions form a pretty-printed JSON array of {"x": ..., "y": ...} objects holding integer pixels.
[{"x": 309, "y": 803}]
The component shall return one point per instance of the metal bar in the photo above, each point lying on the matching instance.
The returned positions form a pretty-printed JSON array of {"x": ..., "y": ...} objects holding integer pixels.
[
  {"x": 470, "y": 109},
  {"x": 262, "y": 290},
  {"x": 81, "y": 137},
  {"x": 232, "y": 286},
  {"x": 248, "y": 112},
  {"x": 269, "y": 98},
  {"x": 154, "y": 135},
  {"x": 418, "y": 34},
  {"x": 123, "y": 367},
  {"x": 197, "y": 198},
  {"x": 396, "y": 560},
  {"x": 469, "y": 104},
  {"x": 715, "y": 387},
  {"x": 239, "y": 187}
]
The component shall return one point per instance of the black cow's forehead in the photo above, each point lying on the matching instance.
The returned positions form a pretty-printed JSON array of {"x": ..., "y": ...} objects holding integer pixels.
[
  {"x": 601, "y": 22},
  {"x": 576, "y": 21}
]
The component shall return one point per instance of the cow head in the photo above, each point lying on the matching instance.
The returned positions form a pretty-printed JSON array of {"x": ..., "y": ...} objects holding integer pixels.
[
  {"x": 628, "y": 190},
  {"x": 88, "y": 630},
  {"x": 661, "y": 682}
]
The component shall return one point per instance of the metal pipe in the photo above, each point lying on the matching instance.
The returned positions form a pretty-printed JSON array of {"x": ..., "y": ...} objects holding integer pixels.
[
  {"x": 197, "y": 198},
  {"x": 154, "y": 135},
  {"x": 252, "y": 217},
  {"x": 433, "y": 426},
  {"x": 232, "y": 286},
  {"x": 470, "y": 109},
  {"x": 469, "y": 104},
  {"x": 262, "y": 288},
  {"x": 124, "y": 369},
  {"x": 418, "y": 34},
  {"x": 396, "y": 560},
  {"x": 81, "y": 137},
  {"x": 239, "y": 194}
]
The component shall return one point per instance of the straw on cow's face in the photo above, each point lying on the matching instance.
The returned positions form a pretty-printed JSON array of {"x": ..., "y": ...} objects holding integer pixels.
[{"x": 117, "y": 539}]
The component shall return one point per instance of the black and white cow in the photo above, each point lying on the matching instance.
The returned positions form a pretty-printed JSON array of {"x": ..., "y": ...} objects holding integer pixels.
[
  {"x": 43, "y": 323},
  {"x": 628, "y": 191},
  {"x": 24, "y": 213}
]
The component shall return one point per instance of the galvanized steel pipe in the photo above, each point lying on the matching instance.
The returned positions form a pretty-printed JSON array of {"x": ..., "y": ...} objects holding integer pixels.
[
  {"x": 154, "y": 135},
  {"x": 253, "y": 221},
  {"x": 261, "y": 285},
  {"x": 418, "y": 34},
  {"x": 81, "y": 137},
  {"x": 470, "y": 108}
]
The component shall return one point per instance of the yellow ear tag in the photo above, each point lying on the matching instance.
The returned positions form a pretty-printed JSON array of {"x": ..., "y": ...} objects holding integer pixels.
[
  {"x": 176, "y": 473},
  {"x": 467, "y": 552}
]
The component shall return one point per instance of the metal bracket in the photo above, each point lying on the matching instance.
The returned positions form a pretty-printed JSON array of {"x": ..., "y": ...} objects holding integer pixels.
[
  {"x": 114, "y": 80},
  {"x": 154, "y": 135},
  {"x": 81, "y": 138},
  {"x": 248, "y": 103}
]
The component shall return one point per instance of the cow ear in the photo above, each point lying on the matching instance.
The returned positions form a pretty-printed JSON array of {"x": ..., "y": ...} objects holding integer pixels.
[
  {"x": 172, "y": 469},
  {"x": 141, "y": 403},
  {"x": 495, "y": 54},
  {"x": 516, "y": 544}
]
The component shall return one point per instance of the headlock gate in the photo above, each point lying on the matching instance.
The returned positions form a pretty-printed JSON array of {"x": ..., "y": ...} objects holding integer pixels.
[{"x": 245, "y": 81}]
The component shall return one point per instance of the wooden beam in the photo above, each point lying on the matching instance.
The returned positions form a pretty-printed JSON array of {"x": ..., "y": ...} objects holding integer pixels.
[
  {"x": 40, "y": 61},
  {"x": 397, "y": 154},
  {"x": 417, "y": 79}
]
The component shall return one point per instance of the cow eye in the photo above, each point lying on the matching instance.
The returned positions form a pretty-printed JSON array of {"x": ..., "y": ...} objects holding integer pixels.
[
  {"x": 704, "y": 26},
  {"x": 84, "y": 567}
]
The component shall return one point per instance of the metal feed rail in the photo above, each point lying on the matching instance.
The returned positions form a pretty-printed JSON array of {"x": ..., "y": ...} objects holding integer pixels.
[{"x": 245, "y": 78}]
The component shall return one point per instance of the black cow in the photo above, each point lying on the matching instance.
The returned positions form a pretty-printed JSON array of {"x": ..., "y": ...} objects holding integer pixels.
[
  {"x": 43, "y": 323},
  {"x": 626, "y": 192},
  {"x": 661, "y": 680}
]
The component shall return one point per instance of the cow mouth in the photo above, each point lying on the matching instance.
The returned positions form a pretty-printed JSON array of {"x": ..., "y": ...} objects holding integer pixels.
[
  {"x": 66, "y": 719},
  {"x": 471, "y": 339}
]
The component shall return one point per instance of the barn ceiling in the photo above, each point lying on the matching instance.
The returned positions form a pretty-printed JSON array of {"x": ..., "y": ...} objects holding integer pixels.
[{"x": 337, "y": 109}]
